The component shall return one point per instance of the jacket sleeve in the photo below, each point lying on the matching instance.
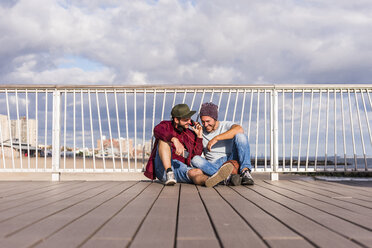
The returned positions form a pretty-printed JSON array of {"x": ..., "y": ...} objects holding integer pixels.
[{"x": 163, "y": 131}]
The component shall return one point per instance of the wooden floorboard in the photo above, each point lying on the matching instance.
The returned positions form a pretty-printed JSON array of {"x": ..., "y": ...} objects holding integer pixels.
[{"x": 285, "y": 213}]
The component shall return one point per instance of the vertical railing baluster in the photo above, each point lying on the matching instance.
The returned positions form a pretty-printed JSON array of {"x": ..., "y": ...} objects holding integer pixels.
[
  {"x": 2, "y": 146},
  {"x": 250, "y": 114},
  {"x": 361, "y": 130},
  {"x": 56, "y": 135},
  {"x": 301, "y": 122},
  {"x": 236, "y": 103},
  {"x": 317, "y": 130},
  {"x": 37, "y": 129},
  {"x": 28, "y": 132},
  {"x": 91, "y": 129},
  {"x": 243, "y": 106},
  {"x": 153, "y": 117},
  {"x": 110, "y": 133},
  {"x": 10, "y": 127},
  {"x": 193, "y": 99},
  {"x": 135, "y": 127},
  {"x": 64, "y": 131},
  {"x": 201, "y": 102},
  {"x": 46, "y": 128},
  {"x": 335, "y": 125},
  {"x": 184, "y": 96},
  {"x": 309, "y": 131},
  {"x": 274, "y": 114},
  {"x": 118, "y": 124},
  {"x": 219, "y": 99},
  {"x": 126, "y": 127},
  {"x": 352, "y": 129},
  {"x": 144, "y": 127},
  {"x": 74, "y": 125},
  {"x": 265, "y": 127},
  {"x": 283, "y": 127},
  {"x": 257, "y": 122},
  {"x": 162, "y": 110},
  {"x": 292, "y": 132},
  {"x": 343, "y": 128},
  {"x": 82, "y": 126},
  {"x": 100, "y": 131},
  {"x": 228, "y": 104},
  {"x": 326, "y": 143},
  {"x": 174, "y": 97},
  {"x": 211, "y": 99},
  {"x": 19, "y": 129}
]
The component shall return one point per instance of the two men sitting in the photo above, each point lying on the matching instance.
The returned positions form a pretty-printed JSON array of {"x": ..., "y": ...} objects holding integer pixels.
[{"x": 179, "y": 144}]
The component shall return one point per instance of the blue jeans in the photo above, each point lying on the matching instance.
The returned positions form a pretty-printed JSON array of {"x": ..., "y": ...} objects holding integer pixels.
[
  {"x": 240, "y": 152},
  {"x": 180, "y": 170}
]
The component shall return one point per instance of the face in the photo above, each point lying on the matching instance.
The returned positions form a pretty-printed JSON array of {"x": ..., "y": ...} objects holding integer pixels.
[
  {"x": 208, "y": 122},
  {"x": 183, "y": 122}
]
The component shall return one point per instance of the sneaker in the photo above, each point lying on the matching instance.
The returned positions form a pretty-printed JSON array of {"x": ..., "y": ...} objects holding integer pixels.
[
  {"x": 222, "y": 174},
  {"x": 247, "y": 179},
  {"x": 232, "y": 180},
  {"x": 170, "y": 179}
]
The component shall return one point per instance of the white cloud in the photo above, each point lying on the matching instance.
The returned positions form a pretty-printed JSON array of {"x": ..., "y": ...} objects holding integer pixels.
[{"x": 186, "y": 42}]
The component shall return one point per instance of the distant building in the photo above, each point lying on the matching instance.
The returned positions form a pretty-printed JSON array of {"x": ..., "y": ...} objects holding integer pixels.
[
  {"x": 15, "y": 127},
  {"x": 18, "y": 131}
]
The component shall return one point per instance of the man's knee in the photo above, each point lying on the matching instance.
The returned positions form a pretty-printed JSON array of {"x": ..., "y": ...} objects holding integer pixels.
[
  {"x": 196, "y": 161},
  {"x": 194, "y": 173},
  {"x": 241, "y": 138}
]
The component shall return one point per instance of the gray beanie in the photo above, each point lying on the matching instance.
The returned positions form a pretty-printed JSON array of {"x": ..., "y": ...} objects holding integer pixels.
[{"x": 209, "y": 109}]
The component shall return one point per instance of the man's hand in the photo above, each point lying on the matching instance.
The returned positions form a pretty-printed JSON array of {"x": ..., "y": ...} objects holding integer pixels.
[
  {"x": 198, "y": 129},
  {"x": 179, "y": 147},
  {"x": 211, "y": 143}
]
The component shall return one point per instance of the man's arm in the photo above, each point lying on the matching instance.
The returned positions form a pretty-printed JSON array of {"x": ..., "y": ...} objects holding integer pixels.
[{"x": 229, "y": 134}]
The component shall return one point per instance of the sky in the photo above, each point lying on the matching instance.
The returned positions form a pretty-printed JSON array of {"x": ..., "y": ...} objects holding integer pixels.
[{"x": 149, "y": 42}]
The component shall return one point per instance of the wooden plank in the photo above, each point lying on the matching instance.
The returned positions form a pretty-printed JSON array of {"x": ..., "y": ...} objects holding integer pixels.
[
  {"x": 336, "y": 201},
  {"x": 231, "y": 229},
  {"x": 42, "y": 229},
  {"x": 338, "y": 188},
  {"x": 82, "y": 228},
  {"x": 312, "y": 231},
  {"x": 275, "y": 233},
  {"x": 323, "y": 215},
  {"x": 38, "y": 195},
  {"x": 346, "y": 196},
  {"x": 194, "y": 227},
  {"x": 31, "y": 218},
  {"x": 23, "y": 187},
  {"x": 159, "y": 226},
  {"x": 119, "y": 230},
  {"x": 36, "y": 207}
]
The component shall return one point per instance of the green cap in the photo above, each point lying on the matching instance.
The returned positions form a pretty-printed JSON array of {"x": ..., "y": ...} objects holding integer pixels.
[{"x": 182, "y": 111}]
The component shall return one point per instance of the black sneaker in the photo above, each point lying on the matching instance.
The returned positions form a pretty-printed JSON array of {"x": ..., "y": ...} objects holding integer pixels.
[
  {"x": 233, "y": 180},
  {"x": 247, "y": 179}
]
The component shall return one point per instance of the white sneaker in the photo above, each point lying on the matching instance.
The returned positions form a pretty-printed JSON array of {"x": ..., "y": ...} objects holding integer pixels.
[{"x": 170, "y": 179}]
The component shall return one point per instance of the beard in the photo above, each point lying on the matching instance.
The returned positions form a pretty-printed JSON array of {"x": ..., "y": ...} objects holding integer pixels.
[{"x": 179, "y": 128}]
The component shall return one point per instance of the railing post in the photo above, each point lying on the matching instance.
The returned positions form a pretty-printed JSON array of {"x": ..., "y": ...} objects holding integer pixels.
[
  {"x": 56, "y": 135},
  {"x": 274, "y": 161}
]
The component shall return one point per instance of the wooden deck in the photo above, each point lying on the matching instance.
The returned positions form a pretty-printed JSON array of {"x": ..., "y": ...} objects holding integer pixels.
[{"x": 285, "y": 213}]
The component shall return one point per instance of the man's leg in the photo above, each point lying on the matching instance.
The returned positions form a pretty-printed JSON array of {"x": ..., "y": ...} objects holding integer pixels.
[
  {"x": 197, "y": 176},
  {"x": 163, "y": 163},
  {"x": 207, "y": 167},
  {"x": 241, "y": 153}
]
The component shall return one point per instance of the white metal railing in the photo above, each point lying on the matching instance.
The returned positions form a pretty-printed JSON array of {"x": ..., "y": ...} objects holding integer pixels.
[{"x": 109, "y": 128}]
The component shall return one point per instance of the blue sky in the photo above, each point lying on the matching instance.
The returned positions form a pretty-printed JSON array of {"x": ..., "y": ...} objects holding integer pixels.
[{"x": 185, "y": 42}]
